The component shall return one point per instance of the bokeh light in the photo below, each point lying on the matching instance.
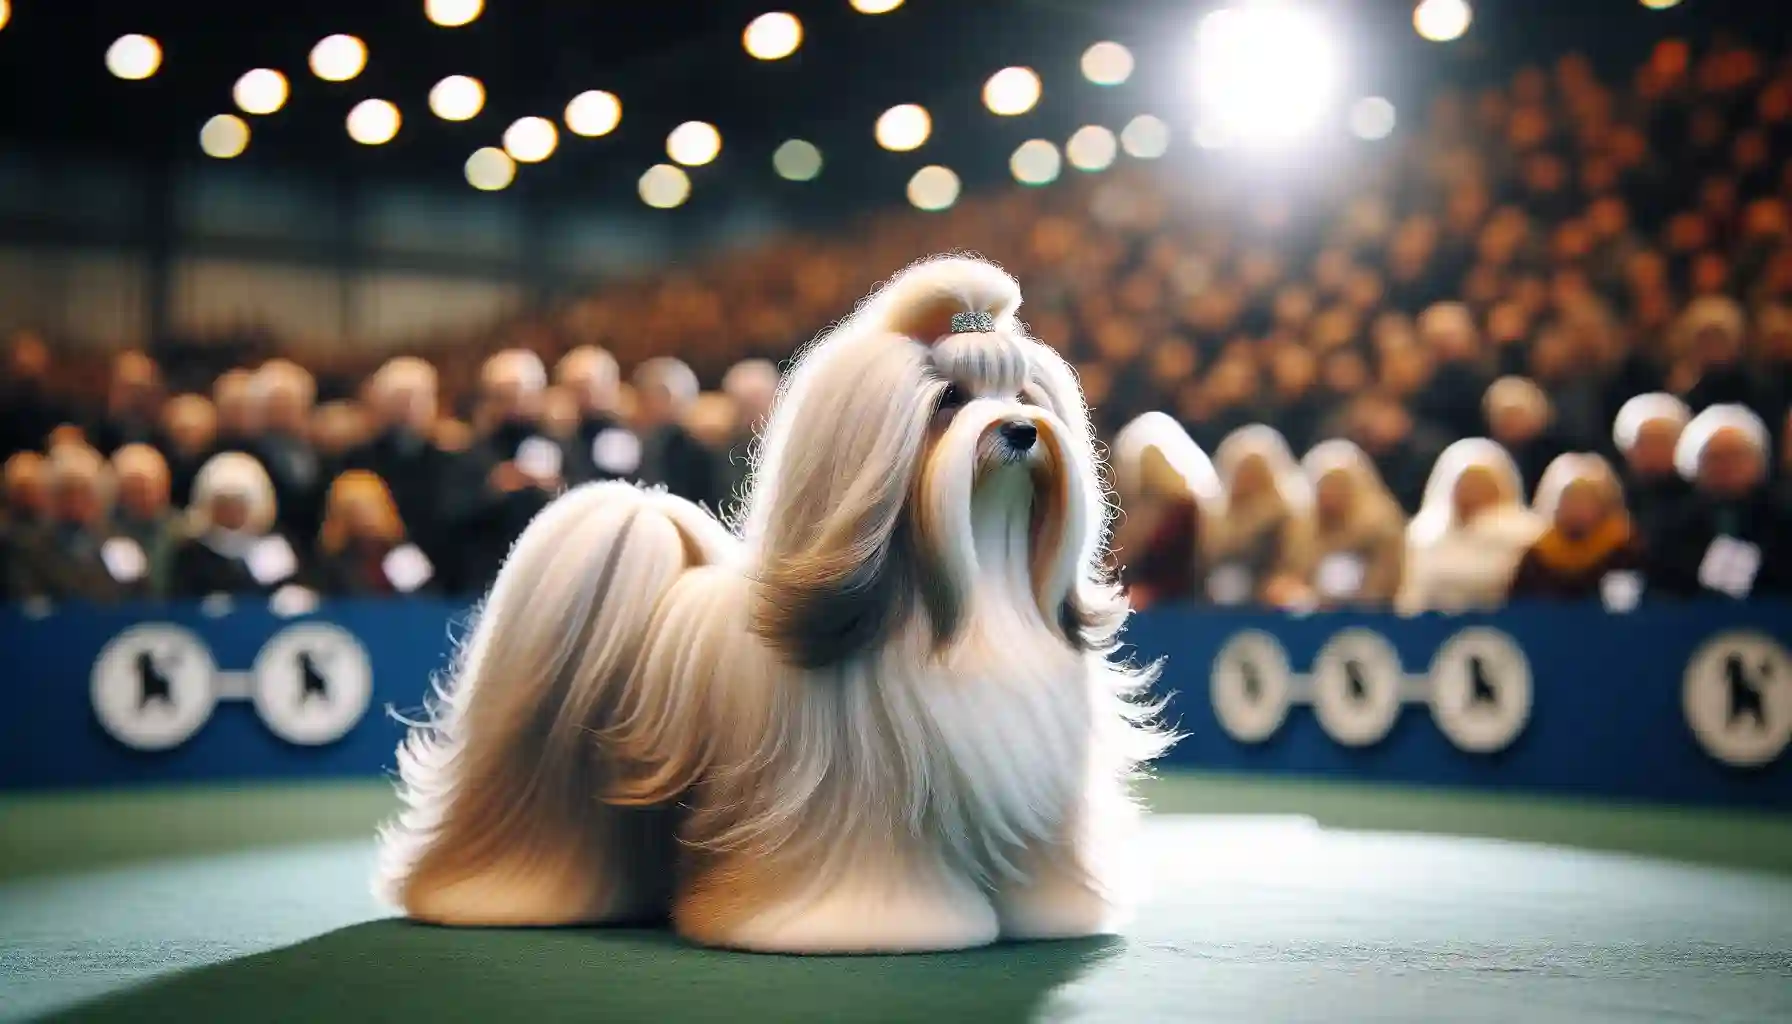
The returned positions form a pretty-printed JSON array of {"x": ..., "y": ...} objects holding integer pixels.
[
  {"x": 452, "y": 13},
  {"x": 773, "y": 36},
  {"x": 1036, "y": 162},
  {"x": 665, "y": 186},
  {"x": 1107, "y": 63},
  {"x": 1660, "y": 5},
  {"x": 1011, "y": 91},
  {"x": 593, "y": 113},
  {"x": 694, "y": 143},
  {"x": 904, "y": 128},
  {"x": 261, "y": 91},
  {"x": 5, "y": 13},
  {"x": 875, "y": 6},
  {"x": 1442, "y": 20},
  {"x": 797, "y": 160},
  {"x": 1092, "y": 148},
  {"x": 530, "y": 140},
  {"x": 373, "y": 122},
  {"x": 133, "y": 57},
  {"x": 490, "y": 169},
  {"x": 1266, "y": 73},
  {"x": 1145, "y": 137},
  {"x": 457, "y": 98},
  {"x": 224, "y": 136},
  {"x": 1371, "y": 118},
  {"x": 338, "y": 58},
  {"x": 933, "y": 188}
]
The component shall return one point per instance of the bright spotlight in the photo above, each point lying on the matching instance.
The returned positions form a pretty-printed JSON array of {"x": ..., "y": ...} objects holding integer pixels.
[
  {"x": 5, "y": 13},
  {"x": 875, "y": 6},
  {"x": 452, "y": 13},
  {"x": 1209, "y": 135},
  {"x": 933, "y": 188},
  {"x": 1035, "y": 162},
  {"x": 1011, "y": 91},
  {"x": 1660, "y": 5},
  {"x": 1266, "y": 72},
  {"x": 530, "y": 140},
  {"x": 1442, "y": 20},
  {"x": 490, "y": 169},
  {"x": 1145, "y": 137},
  {"x": 261, "y": 91},
  {"x": 903, "y": 128},
  {"x": 224, "y": 136},
  {"x": 797, "y": 160},
  {"x": 694, "y": 143},
  {"x": 338, "y": 58},
  {"x": 134, "y": 57},
  {"x": 1371, "y": 118},
  {"x": 665, "y": 186},
  {"x": 773, "y": 36},
  {"x": 1092, "y": 148},
  {"x": 1107, "y": 63},
  {"x": 457, "y": 98},
  {"x": 593, "y": 113},
  {"x": 373, "y": 122}
]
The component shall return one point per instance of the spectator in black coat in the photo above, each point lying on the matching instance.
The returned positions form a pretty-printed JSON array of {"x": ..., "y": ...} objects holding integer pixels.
[
  {"x": 283, "y": 394},
  {"x": 1519, "y": 415},
  {"x": 602, "y": 446},
  {"x": 76, "y": 556},
  {"x": 403, "y": 451},
  {"x": 1402, "y": 451},
  {"x": 1731, "y": 538},
  {"x": 505, "y": 477},
  {"x": 752, "y": 386},
  {"x": 133, "y": 405},
  {"x": 665, "y": 389},
  {"x": 28, "y": 412},
  {"x": 190, "y": 425},
  {"x": 232, "y": 546},
  {"x": 1710, "y": 337},
  {"x": 1458, "y": 377},
  {"x": 1645, "y": 433}
]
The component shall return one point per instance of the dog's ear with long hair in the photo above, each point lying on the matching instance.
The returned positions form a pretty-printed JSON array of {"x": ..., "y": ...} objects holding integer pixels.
[{"x": 835, "y": 570}]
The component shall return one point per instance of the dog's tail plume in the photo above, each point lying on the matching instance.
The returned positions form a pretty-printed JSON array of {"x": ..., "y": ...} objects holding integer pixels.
[{"x": 502, "y": 821}]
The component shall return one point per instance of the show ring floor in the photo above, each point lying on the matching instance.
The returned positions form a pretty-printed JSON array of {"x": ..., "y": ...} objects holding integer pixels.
[{"x": 1256, "y": 917}]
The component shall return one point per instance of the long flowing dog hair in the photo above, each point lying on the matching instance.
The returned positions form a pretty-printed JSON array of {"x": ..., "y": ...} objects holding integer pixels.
[{"x": 899, "y": 671}]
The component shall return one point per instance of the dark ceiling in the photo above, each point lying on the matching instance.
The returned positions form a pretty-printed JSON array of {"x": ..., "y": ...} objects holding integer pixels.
[{"x": 675, "y": 60}]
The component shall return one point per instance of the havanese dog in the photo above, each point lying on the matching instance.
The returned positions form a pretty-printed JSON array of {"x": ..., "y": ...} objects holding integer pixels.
[{"x": 882, "y": 717}]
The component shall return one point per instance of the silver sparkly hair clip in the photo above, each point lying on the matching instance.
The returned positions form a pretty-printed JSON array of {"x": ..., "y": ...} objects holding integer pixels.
[{"x": 975, "y": 322}]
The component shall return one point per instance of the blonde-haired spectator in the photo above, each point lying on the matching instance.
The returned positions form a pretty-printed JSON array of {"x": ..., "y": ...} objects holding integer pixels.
[
  {"x": 1471, "y": 530},
  {"x": 1590, "y": 548},
  {"x": 362, "y": 548},
  {"x": 1166, "y": 485},
  {"x": 1359, "y": 530},
  {"x": 1259, "y": 547},
  {"x": 232, "y": 546}
]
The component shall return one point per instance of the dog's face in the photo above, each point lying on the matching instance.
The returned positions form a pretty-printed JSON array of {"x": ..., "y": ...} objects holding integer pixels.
[{"x": 911, "y": 482}]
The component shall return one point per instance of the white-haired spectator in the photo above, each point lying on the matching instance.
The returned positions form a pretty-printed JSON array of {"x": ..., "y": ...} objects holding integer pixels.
[
  {"x": 1471, "y": 530},
  {"x": 505, "y": 477},
  {"x": 665, "y": 389},
  {"x": 1359, "y": 530},
  {"x": 1645, "y": 433},
  {"x": 1519, "y": 415},
  {"x": 1731, "y": 538},
  {"x": 75, "y": 556},
  {"x": 602, "y": 446},
  {"x": 1259, "y": 547},
  {"x": 143, "y": 511},
  {"x": 232, "y": 545}
]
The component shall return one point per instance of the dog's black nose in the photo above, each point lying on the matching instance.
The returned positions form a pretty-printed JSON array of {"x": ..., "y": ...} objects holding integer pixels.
[{"x": 1019, "y": 435}]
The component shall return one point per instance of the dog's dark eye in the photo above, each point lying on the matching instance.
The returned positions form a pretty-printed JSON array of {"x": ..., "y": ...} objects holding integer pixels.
[{"x": 952, "y": 397}]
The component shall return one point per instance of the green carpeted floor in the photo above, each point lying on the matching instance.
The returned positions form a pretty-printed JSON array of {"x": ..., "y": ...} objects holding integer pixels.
[{"x": 1270, "y": 904}]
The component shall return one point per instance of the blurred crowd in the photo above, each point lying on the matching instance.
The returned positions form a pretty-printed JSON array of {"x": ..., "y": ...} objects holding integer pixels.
[{"x": 1543, "y": 347}]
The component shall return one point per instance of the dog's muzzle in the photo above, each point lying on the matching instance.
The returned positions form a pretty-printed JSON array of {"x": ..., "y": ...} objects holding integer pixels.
[{"x": 1019, "y": 436}]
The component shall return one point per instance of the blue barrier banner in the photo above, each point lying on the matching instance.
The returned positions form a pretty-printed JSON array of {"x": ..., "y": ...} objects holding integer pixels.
[{"x": 1687, "y": 704}]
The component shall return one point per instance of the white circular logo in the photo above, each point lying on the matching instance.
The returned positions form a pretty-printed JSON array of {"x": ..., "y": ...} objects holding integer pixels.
[
  {"x": 1737, "y": 694},
  {"x": 1480, "y": 690},
  {"x": 153, "y": 686},
  {"x": 1251, "y": 686},
  {"x": 1356, "y": 684},
  {"x": 312, "y": 683}
]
